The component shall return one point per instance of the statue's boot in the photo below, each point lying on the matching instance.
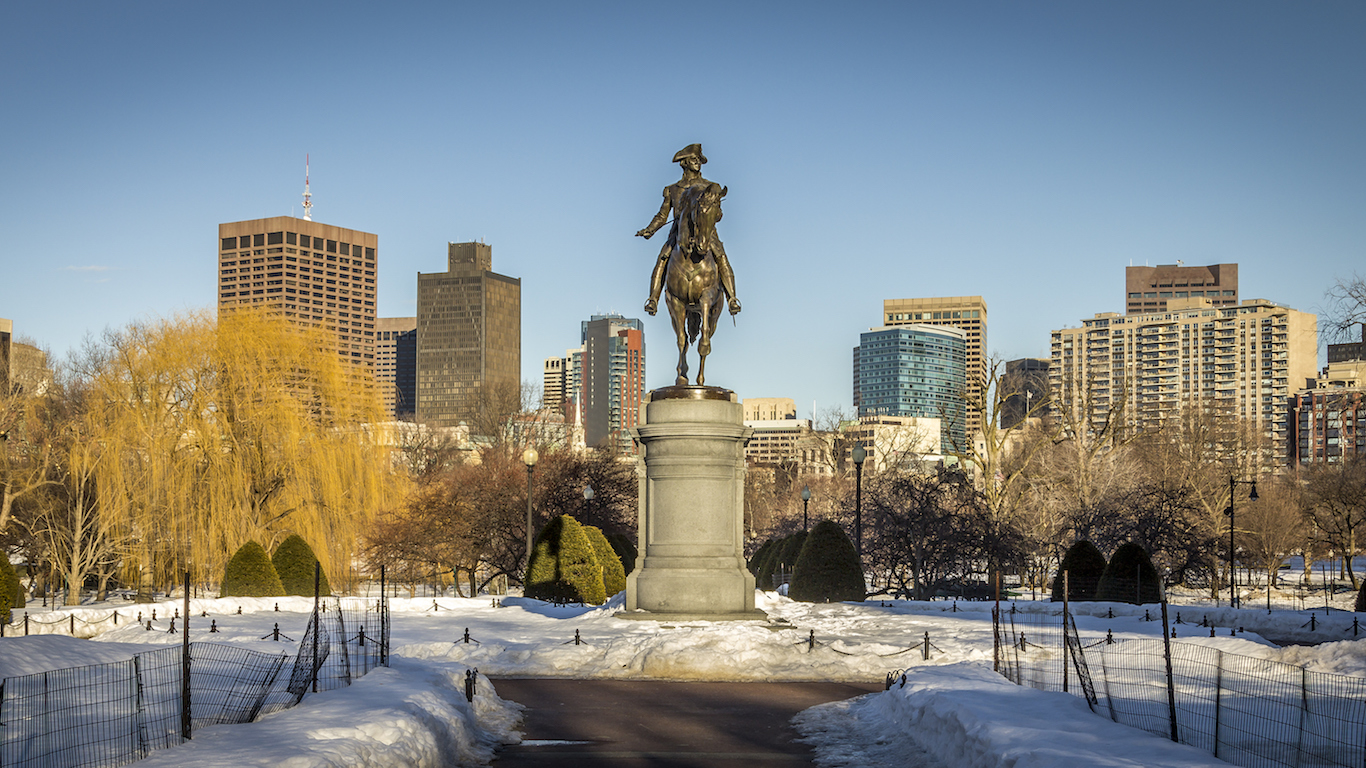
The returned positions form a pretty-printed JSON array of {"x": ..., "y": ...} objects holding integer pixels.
[{"x": 656, "y": 286}]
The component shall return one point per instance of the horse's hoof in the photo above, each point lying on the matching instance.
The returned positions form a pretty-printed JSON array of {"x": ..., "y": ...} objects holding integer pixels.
[
  {"x": 651, "y": 307},
  {"x": 681, "y": 381}
]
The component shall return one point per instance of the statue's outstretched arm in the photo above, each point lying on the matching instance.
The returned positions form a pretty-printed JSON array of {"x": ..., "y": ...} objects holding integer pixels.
[{"x": 658, "y": 220}]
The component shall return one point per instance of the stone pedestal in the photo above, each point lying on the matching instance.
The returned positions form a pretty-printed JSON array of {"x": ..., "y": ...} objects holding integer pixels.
[{"x": 692, "y": 497}]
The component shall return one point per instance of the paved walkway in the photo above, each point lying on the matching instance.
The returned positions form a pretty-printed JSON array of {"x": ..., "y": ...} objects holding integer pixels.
[{"x": 610, "y": 723}]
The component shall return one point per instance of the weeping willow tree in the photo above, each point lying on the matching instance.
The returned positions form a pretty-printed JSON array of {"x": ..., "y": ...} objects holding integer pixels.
[{"x": 246, "y": 429}]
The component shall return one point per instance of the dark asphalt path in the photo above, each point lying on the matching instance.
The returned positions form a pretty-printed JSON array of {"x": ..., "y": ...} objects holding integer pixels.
[{"x": 610, "y": 723}]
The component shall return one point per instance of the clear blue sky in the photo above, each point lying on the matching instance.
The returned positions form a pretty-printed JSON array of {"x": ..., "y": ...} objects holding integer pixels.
[{"x": 1026, "y": 152}]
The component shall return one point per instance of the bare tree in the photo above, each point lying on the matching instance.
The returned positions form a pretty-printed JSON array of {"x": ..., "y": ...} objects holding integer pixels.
[
  {"x": 1335, "y": 495},
  {"x": 1273, "y": 527},
  {"x": 1348, "y": 295}
]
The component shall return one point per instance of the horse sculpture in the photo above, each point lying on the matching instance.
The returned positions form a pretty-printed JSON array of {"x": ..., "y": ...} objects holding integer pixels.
[{"x": 692, "y": 283}]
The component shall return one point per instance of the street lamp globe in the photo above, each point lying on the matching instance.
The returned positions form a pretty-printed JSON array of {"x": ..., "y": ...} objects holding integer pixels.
[{"x": 529, "y": 457}]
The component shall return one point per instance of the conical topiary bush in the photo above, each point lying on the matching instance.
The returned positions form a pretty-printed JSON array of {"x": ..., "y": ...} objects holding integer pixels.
[
  {"x": 827, "y": 569},
  {"x": 1084, "y": 565},
  {"x": 1360, "y": 607},
  {"x": 757, "y": 559},
  {"x": 563, "y": 565},
  {"x": 251, "y": 574},
  {"x": 9, "y": 588},
  {"x": 294, "y": 563},
  {"x": 763, "y": 575},
  {"x": 625, "y": 549},
  {"x": 613, "y": 574},
  {"x": 786, "y": 556},
  {"x": 1129, "y": 577}
]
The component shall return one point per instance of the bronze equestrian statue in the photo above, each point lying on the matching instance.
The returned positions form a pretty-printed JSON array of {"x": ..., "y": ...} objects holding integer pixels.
[{"x": 692, "y": 264}]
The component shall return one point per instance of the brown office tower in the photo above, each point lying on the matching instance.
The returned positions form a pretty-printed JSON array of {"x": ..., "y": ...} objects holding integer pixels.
[
  {"x": 315, "y": 274},
  {"x": 469, "y": 341},
  {"x": 1148, "y": 289},
  {"x": 966, "y": 312}
]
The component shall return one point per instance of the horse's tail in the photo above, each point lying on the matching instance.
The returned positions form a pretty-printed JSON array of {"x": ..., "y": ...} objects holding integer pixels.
[{"x": 694, "y": 326}]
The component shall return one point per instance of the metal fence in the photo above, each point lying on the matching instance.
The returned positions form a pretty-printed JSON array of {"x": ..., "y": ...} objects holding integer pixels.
[
  {"x": 115, "y": 713},
  {"x": 1244, "y": 710}
]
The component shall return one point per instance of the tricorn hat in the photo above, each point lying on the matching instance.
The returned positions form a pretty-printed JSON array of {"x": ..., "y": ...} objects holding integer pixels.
[{"x": 692, "y": 150}]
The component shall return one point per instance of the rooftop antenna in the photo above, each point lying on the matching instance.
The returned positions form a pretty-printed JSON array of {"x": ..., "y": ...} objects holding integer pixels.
[{"x": 308, "y": 196}]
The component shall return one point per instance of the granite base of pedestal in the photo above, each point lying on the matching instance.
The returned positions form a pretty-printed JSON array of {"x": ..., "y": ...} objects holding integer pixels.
[{"x": 692, "y": 563}]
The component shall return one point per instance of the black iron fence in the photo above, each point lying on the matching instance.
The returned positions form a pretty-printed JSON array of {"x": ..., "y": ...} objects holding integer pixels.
[
  {"x": 1244, "y": 710},
  {"x": 115, "y": 713}
]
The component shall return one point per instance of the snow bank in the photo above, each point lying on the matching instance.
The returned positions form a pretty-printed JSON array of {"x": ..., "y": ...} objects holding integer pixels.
[
  {"x": 966, "y": 715},
  {"x": 409, "y": 714}
]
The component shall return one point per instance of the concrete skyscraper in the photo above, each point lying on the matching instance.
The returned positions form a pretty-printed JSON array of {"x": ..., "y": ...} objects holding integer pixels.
[
  {"x": 469, "y": 338},
  {"x": 966, "y": 312},
  {"x": 314, "y": 274}
]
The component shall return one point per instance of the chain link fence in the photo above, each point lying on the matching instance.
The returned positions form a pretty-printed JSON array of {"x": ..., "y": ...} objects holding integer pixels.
[
  {"x": 115, "y": 713},
  {"x": 1244, "y": 710}
]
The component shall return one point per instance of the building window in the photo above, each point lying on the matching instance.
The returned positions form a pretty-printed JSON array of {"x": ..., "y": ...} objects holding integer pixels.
[
  {"x": 229, "y": 243},
  {"x": 275, "y": 238}
]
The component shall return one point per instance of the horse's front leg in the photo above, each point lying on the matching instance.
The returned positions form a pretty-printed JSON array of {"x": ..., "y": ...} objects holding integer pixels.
[{"x": 678, "y": 314}]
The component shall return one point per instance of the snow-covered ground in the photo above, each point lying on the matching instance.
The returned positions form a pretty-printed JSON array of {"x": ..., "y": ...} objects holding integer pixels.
[{"x": 952, "y": 711}]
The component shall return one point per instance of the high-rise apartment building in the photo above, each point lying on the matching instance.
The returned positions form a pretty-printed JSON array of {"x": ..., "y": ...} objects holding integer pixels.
[
  {"x": 469, "y": 337},
  {"x": 966, "y": 312},
  {"x": 610, "y": 380},
  {"x": 396, "y": 365},
  {"x": 314, "y": 274},
  {"x": 1149, "y": 289},
  {"x": 1245, "y": 362},
  {"x": 915, "y": 370}
]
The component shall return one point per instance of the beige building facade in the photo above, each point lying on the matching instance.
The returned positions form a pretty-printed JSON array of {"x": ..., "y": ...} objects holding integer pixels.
[
  {"x": 315, "y": 274},
  {"x": 769, "y": 408},
  {"x": 1247, "y": 361}
]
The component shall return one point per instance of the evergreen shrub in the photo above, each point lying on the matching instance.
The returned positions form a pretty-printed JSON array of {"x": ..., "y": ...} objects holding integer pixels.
[
  {"x": 294, "y": 562},
  {"x": 763, "y": 577},
  {"x": 1084, "y": 565},
  {"x": 1360, "y": 607},
  {"x": 1129, "y": 577},
  {"x": 827, "y": 569},
  {"x": 757, "y": 559},
  {"x": 613, "y": 573},
  {"x": 10, "y": 594},
  {"x": 625, "y": 549},
  {"x": 563, "y": 565},
  {"x": 251, "y": 574}
]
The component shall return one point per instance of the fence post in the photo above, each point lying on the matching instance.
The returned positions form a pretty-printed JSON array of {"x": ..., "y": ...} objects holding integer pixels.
[
  {"x": 137, "y": 699},
  {"x": 1218, "y": 694},
  {"x": 925, "y": 649},
  {"x": 1167, "y": 654},
  {"x": 1304, "y": 709},
  {"x": 1066, "y": 587},
  {"x": 317, "y": 572},
  {"x": 185, "y": 667},
  {"x": 383, "y": 622}
]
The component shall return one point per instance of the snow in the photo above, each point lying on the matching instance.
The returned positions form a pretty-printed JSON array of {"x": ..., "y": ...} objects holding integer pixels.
[{"x": 952, "y": 711}]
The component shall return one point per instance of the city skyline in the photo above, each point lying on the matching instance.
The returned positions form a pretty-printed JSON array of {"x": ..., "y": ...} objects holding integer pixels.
[{"x": 1016, "y": 153}]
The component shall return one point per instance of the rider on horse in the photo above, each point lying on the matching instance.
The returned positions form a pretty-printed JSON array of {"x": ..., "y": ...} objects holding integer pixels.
[{"x": 691, "y": 158}]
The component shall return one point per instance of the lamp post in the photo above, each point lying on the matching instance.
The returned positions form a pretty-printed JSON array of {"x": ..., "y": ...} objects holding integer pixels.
[
  {"x": 529, "y": 457},
  {"x": 1232, "y": 574},
  {"x": 588, "y": 501},
  {"x": 806, "y": 499},
  {"x": 859, "y": 455}
]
